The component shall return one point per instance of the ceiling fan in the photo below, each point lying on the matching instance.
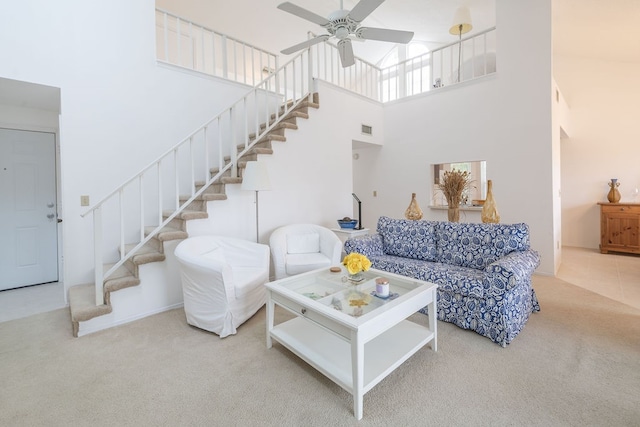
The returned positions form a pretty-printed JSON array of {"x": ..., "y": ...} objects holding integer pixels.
[{"x": 345, "y": 25}]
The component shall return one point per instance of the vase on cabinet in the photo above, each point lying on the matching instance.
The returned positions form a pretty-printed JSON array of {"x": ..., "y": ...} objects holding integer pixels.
[
  {"x": 489, "y": 209},
  {"x": 614, "y": 194},
  {"x": 413, "y": 212}
]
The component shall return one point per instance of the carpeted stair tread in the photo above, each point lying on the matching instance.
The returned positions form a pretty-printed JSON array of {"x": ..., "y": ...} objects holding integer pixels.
[
  {"x": 270, "y": 137},
  {"x": 145, "y": 254},
  {"x": 120, "y": 279},
  {"x": 209, "y": 197},
  {"x": 187, "y": 215},
  {"x": 281, "y": 125},
  {"x": 293, "y": 113},
  {"x": 82, "y": 304},
  {"x": 167, "y": 233},
  {"x": 260, "y": 150},
  {"x": 231, "y": 180}
]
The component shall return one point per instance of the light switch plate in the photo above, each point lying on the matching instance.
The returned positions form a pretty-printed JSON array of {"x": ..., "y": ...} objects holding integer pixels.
[{"x": 84, "y": 200}]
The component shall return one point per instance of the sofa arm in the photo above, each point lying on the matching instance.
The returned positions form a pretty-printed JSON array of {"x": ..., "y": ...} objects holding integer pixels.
[
  {"x": 369, "y": 245},
  {"x": 510, "y": 271}
]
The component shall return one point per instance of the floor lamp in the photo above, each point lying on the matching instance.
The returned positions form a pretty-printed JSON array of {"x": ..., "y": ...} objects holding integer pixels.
[
  {"x": 256, "y": 178},
  {"x": 461, "y": 25}
]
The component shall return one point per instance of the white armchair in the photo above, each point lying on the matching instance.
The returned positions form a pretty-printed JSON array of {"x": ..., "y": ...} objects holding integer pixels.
[
  {"x": 298, "y": 248},
  {"x": 222, "y": 281}
]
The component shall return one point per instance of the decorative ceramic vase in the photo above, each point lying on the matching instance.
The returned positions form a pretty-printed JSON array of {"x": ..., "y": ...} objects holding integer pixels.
[
  {"x": 614, "y": 194},
  {"x": 453, "y": 214},
  {"x": 413, "y": 212},
  {"x": 489, "y": 209}
]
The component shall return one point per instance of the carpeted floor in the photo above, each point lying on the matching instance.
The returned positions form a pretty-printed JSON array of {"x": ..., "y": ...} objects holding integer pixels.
[{"x": 576, "y": 363}]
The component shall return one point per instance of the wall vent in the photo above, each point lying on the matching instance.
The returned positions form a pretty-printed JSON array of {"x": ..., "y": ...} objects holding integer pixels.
[{"x": 367, "y": 130}]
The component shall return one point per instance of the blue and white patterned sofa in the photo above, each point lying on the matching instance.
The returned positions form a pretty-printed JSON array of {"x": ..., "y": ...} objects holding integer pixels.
[{"x": 483, "y": 271}]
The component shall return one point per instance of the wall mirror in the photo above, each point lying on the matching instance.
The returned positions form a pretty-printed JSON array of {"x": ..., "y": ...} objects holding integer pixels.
[{"x": 478, "y": 188}]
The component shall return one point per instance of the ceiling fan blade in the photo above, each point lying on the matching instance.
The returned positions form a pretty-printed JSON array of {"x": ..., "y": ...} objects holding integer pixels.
[
  {"x": 346, "y": 53},
  {"x": 303, "y": 13},
  {"x": 382, "y": 34},
  {"x": 305, "y": 44},
  {"x": 364, "y": 9}
]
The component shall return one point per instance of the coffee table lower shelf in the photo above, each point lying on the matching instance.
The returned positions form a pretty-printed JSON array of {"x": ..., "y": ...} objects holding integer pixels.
[{"x": 332, "y": 355}]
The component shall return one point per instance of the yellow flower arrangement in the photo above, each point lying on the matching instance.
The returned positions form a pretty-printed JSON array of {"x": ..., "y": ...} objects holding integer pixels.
[{"x": 356, "y": 263}]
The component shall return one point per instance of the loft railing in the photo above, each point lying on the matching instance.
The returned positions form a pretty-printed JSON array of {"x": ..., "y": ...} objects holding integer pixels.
[
  {"x": 362, "y": 78},
  {"x": 187, "y": 44},
  {"x": 164, "y": 188},
  {"x": 440, "y": 67}
]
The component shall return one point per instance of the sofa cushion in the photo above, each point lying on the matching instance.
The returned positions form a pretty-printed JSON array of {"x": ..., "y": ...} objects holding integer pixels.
[
  {"x": 450, "y": 278},
  {"x": 408, "y": 238},
  {"x": 478, "y": 245}
]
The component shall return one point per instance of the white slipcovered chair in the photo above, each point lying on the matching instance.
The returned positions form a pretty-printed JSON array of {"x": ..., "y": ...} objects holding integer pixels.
[
  {"x": 223, "y": 281},
  {"x": 298, "y": 248}
]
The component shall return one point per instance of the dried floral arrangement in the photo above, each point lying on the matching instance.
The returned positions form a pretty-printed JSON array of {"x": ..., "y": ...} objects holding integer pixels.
[{"x": 453, "y": 185}]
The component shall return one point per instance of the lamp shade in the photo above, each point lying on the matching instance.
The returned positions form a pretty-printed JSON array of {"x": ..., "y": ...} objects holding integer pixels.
[
  {"x": 461, "y": 21},
  {"x": 255, "y": 177}
]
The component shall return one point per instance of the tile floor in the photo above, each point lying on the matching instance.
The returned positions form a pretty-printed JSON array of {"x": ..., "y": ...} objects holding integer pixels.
[{"x": 615, "y": 276}]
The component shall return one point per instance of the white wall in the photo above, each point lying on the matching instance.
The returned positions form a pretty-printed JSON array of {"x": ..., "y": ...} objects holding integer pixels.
[
  {"x": 119, "y": 110},
  {"x": 310, "y": 173},
  {"x": 603, "y": 142},
  {"x": 504, "y": 119}
]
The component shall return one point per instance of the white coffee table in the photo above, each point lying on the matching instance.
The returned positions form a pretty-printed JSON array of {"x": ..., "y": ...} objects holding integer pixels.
[{"x": 352, "y": 337}]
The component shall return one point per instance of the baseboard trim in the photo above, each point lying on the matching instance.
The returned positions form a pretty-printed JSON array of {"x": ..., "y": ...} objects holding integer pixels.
[{"x": 92, "y": 329}]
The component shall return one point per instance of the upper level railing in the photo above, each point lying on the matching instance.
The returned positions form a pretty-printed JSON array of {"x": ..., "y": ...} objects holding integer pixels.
[
  {"x": 362, "y": 78},
  {"x": 190, "y": 45},
  {"x": 468, "y": 59}
]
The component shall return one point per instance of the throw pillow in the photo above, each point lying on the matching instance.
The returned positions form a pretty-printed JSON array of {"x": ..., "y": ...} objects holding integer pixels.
[{"x": 303, "y": 243}]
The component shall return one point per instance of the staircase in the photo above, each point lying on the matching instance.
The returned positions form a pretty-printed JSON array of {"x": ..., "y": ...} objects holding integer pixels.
[{"x": 82, "y": 298}]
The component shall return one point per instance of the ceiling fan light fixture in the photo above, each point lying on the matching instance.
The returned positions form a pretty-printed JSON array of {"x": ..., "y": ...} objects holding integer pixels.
[
  {"x": 461, "y": 21},
  {"x": 342, "y": 33}
]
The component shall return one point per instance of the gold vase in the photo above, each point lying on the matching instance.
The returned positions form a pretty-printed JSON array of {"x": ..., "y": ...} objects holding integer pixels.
[
  {"x": 614, "y": 194},
  {"x": 453, "y": 214},
  {"x": 413, "y": 212},
  {"x": 489, "y": 209}
]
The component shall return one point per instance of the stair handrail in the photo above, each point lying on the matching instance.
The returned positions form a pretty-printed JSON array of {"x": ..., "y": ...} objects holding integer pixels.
[{"x": 276, "y": 84}]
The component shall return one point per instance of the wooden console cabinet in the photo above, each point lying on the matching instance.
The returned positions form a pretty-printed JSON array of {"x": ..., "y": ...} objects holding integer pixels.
[{"x": 620, "y": 227}]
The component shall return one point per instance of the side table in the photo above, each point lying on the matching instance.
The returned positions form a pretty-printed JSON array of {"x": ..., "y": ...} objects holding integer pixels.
[{"x": 347, "y": 233}]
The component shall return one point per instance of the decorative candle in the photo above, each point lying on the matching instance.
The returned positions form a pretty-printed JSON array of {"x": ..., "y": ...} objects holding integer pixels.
[{"x": 382, "y": 287}]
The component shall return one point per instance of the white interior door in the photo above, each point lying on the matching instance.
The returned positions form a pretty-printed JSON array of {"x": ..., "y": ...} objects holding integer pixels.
[{"x": 28, "y": 211}]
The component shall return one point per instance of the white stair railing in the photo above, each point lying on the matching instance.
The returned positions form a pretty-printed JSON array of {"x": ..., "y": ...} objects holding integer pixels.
[
  {"x": 153, "y": 196},
  {"x": 190, "y": 45}
]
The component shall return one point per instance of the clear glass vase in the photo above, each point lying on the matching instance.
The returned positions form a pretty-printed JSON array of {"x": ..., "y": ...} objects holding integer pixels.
[{"x": 356, "y": 277}]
